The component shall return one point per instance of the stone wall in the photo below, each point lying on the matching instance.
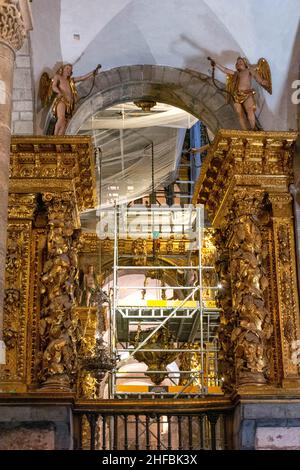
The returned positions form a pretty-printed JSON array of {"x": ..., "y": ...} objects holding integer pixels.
[
  {"x": 267, "y": 426},
  {"x": 23, "y": 93},
  {"x": 35, "y": 427},
  {"x": 277, "y": 438},
  {"x": 27, "y": 437}
]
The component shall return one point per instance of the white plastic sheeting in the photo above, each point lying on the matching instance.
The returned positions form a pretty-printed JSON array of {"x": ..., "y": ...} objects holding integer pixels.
[
  {"x": 135, "y": 179},
  {"x": 130, "y": 117},
  {"x": 125, "y": 136}
]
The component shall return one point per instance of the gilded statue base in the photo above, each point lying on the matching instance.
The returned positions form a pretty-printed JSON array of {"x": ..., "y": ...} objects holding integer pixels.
[
  {"x": 56, "y": 383},
  {"x": 251, "y": 378}
]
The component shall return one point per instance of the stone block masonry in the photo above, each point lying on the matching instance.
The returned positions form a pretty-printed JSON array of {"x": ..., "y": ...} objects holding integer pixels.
[{"x": 23, "y": 93}]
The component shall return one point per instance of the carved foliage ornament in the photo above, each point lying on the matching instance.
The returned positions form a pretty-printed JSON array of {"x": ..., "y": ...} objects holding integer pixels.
[
  {"x": 16, "y": 300},
  {"x": 11, "y": 317},
  {"x": 254, "y": 325},
  {"x": 59, "y": 326},
  {"x": 12, "y": 28},
  {"x": 227, "y": 317},
  {"x": 286, "y": 277}
]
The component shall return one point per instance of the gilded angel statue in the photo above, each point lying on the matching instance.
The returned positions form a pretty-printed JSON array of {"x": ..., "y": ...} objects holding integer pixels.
[
  {"x": 61, "y": 93},
  {"x": 239, "y": 87}
]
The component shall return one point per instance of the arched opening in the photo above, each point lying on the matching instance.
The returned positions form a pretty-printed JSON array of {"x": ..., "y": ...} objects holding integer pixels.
[
  {"x": 161, "y": 247},
  {"x": 186, "y": 89}
]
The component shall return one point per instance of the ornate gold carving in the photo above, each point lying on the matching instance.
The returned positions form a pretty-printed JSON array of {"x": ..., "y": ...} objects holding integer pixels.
[
  {"x": 45, "y": 163},
  {"x": 286, "y": 304},
  {"x": 59, "y": 325},
  {"x": 88, "y": 385},
  {"x": 209, "y": 254},
  {"x": 11, "y": 319},
  {"x": 13, "y": 374},
  {"x": 283, "y": 243},
  {"x": 90, "y": 243},
  {"x": 156, "y": 361},
  {"x": 89, "y": 321},
  {"x": 227, "y": 317},
  {"x": 39, "y": 164},
  {"x": 94, "y": 356},
  {"x": 21, "y": 206},
  {"x": 287, "y": 290},
  {"x": 13, "y": 256},
  {"x": 12, "y": 29},
  {"x": 139, "y": 251},
  {"x": 239, "y": 157},
  {"x": 281, "y": 204},
  {"x": 190, "y": 361},
  {"x": 145, "y": 105},
  {"x": 96, "y": 365},
  {"x": 40, "y": 185},
  {"x": 167, "y": 246},
  {"x": 244, "y": 184},
  {"x": 253, "y": 330},
  {"x": 38, "y": 246}
]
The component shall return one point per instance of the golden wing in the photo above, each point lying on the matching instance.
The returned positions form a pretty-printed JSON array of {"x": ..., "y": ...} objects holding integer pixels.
[
  {"x": 263, "y": 69},
  {"x": 45, "y": 93},
  {"x": 231, "y": 82}
]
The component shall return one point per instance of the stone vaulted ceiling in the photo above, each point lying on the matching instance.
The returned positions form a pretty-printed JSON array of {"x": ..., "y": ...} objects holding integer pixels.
[{"x": 177, "y": 33}]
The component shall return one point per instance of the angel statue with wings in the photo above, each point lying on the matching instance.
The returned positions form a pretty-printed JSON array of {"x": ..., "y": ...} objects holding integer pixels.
[
  {"x": 61, "y": 93},
  {"x": 239, "y": 87}
]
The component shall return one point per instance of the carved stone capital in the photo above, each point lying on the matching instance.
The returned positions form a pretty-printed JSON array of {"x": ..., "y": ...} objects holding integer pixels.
[{"x": 12, "y": 27}]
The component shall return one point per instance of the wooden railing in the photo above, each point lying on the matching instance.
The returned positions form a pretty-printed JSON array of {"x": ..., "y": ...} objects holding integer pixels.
[{"x": 152, "y": 425}]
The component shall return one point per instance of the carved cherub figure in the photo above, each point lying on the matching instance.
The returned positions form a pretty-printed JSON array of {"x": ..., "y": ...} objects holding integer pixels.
[
  {"x": 239, "y": 87},
  {"x": 139, "y": 251},
  {"x": 63, "y": 85}
]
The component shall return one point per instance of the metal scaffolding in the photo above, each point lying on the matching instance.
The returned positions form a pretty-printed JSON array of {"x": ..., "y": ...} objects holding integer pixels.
[{"x": 154, "y": 328}]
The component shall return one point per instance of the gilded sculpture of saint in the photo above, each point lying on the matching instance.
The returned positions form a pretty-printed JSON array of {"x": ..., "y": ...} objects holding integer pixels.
[
  {"x": 61, "y": 93},
  {"x": 90, "y": 285},
  {"x": 239, "y": 87}
]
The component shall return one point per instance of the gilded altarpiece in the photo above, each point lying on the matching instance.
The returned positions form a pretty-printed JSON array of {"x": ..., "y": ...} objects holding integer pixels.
[
  {"x": 52, "y": 179},
  {"x": 244, "y": 185},
  {"x": 13, "y": 375}
]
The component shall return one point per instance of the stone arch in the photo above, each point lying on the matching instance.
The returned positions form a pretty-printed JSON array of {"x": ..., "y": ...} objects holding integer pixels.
[{"x": 186, "y": 89}]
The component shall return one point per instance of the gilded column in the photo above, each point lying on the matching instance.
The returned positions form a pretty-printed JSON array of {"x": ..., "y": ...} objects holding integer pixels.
[
  {"x": 16, "y": 318},
  {"x": 51, "y": 181},
  {"x": 253, "y": 328},
  {"x": 12, "y": 32},
  {"x": 285, "y": 286},
  {"x": 60, "y": 333},
  {"x": 244, "y": 184},
  {"x": 227, "y": 318}
]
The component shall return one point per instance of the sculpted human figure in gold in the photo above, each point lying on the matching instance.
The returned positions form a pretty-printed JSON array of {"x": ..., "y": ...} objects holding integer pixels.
[
  {"x": 63, "y": 85},
  {"x": 89, "y": 284},
  {"x": 239, "y": 87}
]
